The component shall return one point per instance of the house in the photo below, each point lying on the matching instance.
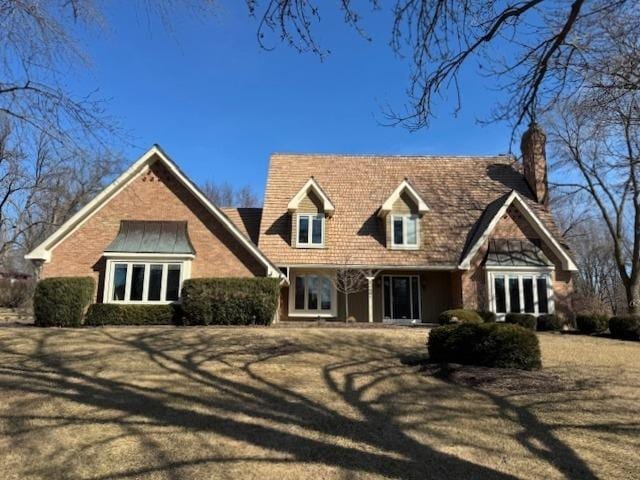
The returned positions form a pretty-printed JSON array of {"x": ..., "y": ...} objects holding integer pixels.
[{"x": 427, "y": 234}]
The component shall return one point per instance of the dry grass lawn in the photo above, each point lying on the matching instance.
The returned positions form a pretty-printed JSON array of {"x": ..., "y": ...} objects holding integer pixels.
[{"x": 177, "y": 403}]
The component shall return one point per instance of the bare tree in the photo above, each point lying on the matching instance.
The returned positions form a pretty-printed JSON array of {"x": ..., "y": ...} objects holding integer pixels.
[
  {"x": 597, "y": 158},
  {"x": 41, "y": 186},
  {"x": 552, "y": 48},
  {"x": 349, "y": 281},
  {"x": 225, "y": 195}
]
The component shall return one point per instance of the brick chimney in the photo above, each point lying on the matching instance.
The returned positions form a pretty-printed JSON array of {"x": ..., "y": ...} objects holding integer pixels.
[{"x": 535, "y": 162}]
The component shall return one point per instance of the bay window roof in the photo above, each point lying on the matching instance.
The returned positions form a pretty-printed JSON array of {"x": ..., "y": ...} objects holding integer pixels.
[
  {"x": 515, "y": 253},
  {"x": 162, "y": 237}
]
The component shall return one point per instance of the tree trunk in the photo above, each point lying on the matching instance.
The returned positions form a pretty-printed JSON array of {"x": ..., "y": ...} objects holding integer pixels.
[
  {"x": 346, "y": 306},
  {"x": 633, "y": 297}
]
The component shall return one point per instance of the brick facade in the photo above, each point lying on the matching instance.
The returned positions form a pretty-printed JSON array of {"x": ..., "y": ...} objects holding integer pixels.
[
  {"x": 513, "y": 226},
  {"x": 154, "y": 195}
]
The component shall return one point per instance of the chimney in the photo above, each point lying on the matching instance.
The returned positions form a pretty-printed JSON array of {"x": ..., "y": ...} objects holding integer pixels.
[{"x": 535, "y": 162}]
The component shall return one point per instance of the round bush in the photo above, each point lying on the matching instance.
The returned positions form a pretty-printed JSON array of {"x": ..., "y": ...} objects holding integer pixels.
[
  {"x": 62, "y": 301},
  {"x": 591, "y": 323},
  {"x": 625, "y": 327},
  {"x": 495, "y": 345},
  {"x": 459, "y": 315},
  {"x": 486, "y": 315},
  {"x": 550, "y": 322},
  {"x": 525, "y": 320}
]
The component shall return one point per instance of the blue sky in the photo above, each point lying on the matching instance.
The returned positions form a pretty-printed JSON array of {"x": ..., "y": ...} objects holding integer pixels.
[{"x": 220, "y": 105}]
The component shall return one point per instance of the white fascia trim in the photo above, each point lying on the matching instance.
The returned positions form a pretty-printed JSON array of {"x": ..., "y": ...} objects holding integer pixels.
[
  {"x": 43, "y": 251},
  {"x": 320, "y": 266},
  {"x": 311, "y": 184},
  {"x": 515, "y": 199},
  {"x": 405, "y": 186}
]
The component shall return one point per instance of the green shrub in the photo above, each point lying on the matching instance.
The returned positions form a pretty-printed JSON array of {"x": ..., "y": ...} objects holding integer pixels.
[
  {"x": 486, "y": 315},
  {"x": 550, "y": 322},
  {"x": 485, "y": 344},
  {"x": 230, "y": 301},
  {"x": 62, "y": 301},
  {"x": 117, "y": 314},
  {"x": 525, "y": 320},
  {"x": 591, "y": 323},
  {"x": 459, "y": 315},
  {"x": 625, "y": 327}
]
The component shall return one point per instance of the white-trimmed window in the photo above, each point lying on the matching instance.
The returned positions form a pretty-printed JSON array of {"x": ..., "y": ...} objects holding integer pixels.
[
  {"x": 520, "y": 292},
  {"x": 144, "y": 281},
  {"x": 310, "y": 230},
  {"x": 405, "y": 230},
  {"x": 312, "y": 295}
]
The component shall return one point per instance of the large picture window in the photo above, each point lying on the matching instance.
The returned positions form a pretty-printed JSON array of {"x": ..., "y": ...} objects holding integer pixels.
[
  {"x": 520, "y": 292},
  {"x": 144, "y": 281},
  {"x": 404, "y": 230},
  {"x": 313, "y": 294},
  {"x": 310, "y": 230}
]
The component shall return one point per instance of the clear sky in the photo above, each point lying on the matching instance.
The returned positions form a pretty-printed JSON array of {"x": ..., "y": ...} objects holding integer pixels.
[{"x": 220, "y": 105}]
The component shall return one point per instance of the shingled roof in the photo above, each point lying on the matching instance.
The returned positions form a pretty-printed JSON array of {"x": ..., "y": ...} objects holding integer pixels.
[
  {"x": 246, "y": 219},
  {"x": 458, "y": 190}
]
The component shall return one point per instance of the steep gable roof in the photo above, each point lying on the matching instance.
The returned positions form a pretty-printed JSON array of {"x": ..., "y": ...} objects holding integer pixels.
[
  {"x": 154, "y": 154},
  {"x": 404, "y": 187},
  {"x": 458, "y": 191},
  {"x": 311, "y": 186}
]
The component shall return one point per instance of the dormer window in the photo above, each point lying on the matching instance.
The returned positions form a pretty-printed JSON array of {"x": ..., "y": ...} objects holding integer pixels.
[
  {"x": 401, "y": 212},
  {"x": 309, "y": 209},
  {"x": 310, "y": 230},
  {"x": 405, "y": 230}
]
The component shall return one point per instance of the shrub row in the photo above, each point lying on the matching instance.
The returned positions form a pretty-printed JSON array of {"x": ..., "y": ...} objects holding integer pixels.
[
  {"x": 114, "y": 314},
  {"x": 485, "y": 344},
  {"x": 230, "y": 301},
  {"x": 62, "y": 301},
  {"x": 624, "y": 327}
]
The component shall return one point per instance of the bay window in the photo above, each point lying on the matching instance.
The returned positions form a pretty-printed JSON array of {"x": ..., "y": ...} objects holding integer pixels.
[
  {"x": 144, "y": 281},
  {"x": 520, "y": 292}
]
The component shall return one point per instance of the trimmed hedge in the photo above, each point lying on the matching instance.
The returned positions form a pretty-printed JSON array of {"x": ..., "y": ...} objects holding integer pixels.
[
  {"x": 625, "y": 327},
  {"x": 550, "y": 322},
  {"x": 525, "y": 320},
  {"x": 230, "y": 301},
  {"x": 485, "y": 344},
  {"x": 462, "y": 316},
  {"x": 591, "y": 323},
  {"x": 115, "y": 314},
  {"x": 62, "y": 301},
  {"x": 487, "y": 316}
]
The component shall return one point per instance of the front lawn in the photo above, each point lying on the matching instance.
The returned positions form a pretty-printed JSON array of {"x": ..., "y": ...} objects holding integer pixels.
[{"x": 173, "y": 403}]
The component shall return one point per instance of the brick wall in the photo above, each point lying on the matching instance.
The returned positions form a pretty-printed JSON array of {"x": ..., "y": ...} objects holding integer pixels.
[
  {"x": 513, "y": 225},
  {"x": 154, "y": 195}
]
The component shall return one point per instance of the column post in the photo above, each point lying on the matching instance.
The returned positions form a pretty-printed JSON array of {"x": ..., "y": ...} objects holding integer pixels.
[{"x": 370, "y": 295}]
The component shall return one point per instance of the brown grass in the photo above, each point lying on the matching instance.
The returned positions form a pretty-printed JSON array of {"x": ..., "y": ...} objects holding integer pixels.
[{"x": 118, "y": 403}]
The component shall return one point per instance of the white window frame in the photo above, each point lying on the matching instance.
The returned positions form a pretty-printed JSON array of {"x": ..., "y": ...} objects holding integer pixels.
[
  {"x": 520, "y": 274},
  {"x": 309, "y": 243},
  {"x": 396, "y": 320},
  {"x": 404, "y": 244},
  {"x": 293, "y": 312},
  {"x": 185, "y": 272}
]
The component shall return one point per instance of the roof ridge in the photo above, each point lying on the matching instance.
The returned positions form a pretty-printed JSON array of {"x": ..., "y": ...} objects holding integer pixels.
[{"x": 396, "y": 155}]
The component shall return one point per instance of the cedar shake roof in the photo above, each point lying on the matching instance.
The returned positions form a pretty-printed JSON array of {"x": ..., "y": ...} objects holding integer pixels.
[
  {"x": 458, "y": 190},
  {"x": 246, "y": 219}
]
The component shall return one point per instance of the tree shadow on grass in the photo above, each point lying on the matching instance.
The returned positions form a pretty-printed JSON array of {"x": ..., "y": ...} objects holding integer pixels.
[{"x": 220, "y": 384}]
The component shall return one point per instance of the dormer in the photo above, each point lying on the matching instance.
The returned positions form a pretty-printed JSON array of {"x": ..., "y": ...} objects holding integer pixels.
[
  {"x": 401, "y": 213},
  {"x": 309, "y": 209}
]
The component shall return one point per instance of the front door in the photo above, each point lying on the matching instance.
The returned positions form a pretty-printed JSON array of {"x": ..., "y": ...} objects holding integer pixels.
[{"x": 401, "y": 298}]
